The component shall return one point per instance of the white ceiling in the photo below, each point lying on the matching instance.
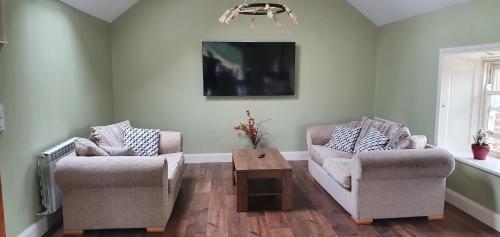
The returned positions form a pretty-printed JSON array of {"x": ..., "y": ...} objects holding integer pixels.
[
  {"x": 107, "y": 10},
  {"x": 382, "y": 12}
]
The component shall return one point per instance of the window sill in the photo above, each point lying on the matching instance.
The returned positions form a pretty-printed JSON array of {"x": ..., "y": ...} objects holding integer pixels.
[{"x": 490, "y": 165}]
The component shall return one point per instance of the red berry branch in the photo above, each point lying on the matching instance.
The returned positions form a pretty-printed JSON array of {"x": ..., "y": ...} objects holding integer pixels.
[{"x": 252, "y": 130}]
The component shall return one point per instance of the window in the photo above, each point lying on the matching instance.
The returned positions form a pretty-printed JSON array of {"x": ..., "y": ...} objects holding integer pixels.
[{"x": 491, "y": 111}]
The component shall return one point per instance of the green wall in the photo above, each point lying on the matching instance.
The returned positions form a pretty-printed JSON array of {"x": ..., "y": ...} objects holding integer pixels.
[
  {"x": 157, "y": 70},
  {"x": 64, "y": 71},
  {"x": 407, "y": 73},
  {"x": 55, "y": 81}
]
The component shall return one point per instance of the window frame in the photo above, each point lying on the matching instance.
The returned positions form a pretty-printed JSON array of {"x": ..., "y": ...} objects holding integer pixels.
[{"x": 489, "y": 72}]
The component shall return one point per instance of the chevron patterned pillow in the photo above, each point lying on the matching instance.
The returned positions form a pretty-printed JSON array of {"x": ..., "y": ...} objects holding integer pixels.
[
  {"x": 343, "y": 139},
  {"x": 144, "y": 142},
  {"x": 374, "y": 140}
]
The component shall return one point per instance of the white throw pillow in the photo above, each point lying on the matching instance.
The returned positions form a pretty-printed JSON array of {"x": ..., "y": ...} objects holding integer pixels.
[
  {"x": 343, "y": 139},
  {"x": 374, "y": 140},
  {"x": 144, "y": 142}
]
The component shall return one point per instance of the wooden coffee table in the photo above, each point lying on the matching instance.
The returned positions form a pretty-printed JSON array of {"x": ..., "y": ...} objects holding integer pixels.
[{"x": 258, "y": 177}]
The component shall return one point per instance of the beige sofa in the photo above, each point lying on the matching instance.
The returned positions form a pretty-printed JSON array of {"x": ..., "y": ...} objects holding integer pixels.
[
  {"x": 381, "y": 184},
  {"x": 121, "y": 192}
]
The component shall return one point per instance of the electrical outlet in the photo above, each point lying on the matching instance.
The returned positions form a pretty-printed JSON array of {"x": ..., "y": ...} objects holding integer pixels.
[{"x": 2, "y": 119}]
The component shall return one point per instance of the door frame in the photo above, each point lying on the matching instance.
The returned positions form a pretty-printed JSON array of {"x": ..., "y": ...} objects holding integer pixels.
[{"x": 450, "y": 51}]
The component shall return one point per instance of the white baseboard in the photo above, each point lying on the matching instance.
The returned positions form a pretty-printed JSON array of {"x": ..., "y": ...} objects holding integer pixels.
[
  {"x": 226, "y": 157},
  {"x": 42, "y": 226},
  {"x": 474, "y": 209}
]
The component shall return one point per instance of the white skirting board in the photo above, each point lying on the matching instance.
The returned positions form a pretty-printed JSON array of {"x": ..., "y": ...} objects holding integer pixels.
[
  {"x": 226, "y": 157},
  {"x": 474, "y": 209},
  {"x": 42, "y": 226}
]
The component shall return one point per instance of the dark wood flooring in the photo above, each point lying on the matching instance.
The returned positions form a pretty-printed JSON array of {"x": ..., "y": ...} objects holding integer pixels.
[{"x": 207, "y": 207}]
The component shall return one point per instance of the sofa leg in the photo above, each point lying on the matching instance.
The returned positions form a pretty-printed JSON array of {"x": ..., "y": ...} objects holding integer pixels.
[
  {"x": 363, "y": 221},
  {"x": 155, "y": 230},
  {"x": 435, "y": 218},
  {"x": 73, "y": 232}
]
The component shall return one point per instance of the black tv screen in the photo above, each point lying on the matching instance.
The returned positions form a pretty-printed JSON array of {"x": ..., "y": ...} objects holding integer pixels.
[{"x": 248, "y": 68}]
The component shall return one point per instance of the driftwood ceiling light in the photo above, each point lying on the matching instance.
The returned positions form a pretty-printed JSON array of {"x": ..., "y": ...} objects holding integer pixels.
[{"x": 271, "y": 10}]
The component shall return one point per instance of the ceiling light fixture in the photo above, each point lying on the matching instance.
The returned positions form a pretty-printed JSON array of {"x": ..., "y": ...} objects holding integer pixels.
[{"x": 271, "y": 10}]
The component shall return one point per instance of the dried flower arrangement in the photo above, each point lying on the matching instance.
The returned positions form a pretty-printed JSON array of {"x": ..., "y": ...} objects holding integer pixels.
[{"x": 252, "y": 130}]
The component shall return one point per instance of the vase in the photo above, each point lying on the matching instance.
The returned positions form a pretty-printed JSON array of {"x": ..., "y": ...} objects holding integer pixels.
[{"x": 480, "y": 152}]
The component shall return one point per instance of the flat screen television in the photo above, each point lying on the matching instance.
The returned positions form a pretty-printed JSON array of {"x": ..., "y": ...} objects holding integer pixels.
[{"x": 248, "y": 68}]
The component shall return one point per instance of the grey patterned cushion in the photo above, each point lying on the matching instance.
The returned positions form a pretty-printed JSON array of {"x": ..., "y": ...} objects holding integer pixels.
[
  {"x": 85, "y": 147},
  {"x": 343, "y": 139},
  {"x": 373, "y": 141},
  {"x": 111, "y": 135},
  {"x": 144, "y": 142}
]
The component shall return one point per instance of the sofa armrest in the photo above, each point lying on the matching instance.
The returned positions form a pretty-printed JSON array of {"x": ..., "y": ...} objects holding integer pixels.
[
  {"x": 402, "y": 164},
  {"x": 74, "y": 172},
  {"x": 170, "y": 142},
  {"x": 320, "y": 134}
]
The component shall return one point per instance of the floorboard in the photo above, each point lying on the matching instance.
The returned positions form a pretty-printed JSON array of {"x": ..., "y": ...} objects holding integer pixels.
[{"x": 207, "y": 207}]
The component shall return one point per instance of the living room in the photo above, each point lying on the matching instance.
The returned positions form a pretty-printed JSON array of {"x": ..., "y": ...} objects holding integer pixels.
[{"x": 71, "y": 65}]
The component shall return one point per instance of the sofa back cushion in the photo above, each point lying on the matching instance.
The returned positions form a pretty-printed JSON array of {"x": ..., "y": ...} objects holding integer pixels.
[
  {"x": 343, "y": 139},
  {"x": 144, "y": 142}
]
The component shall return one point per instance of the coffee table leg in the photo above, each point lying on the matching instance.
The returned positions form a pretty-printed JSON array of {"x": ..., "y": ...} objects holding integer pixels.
[
  {"x": 242, "y": 192},
  {"x": 286, "y": 189}
]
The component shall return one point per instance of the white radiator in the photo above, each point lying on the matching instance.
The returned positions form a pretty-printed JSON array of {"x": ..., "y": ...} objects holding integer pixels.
[{"x": 51, "y": 195}]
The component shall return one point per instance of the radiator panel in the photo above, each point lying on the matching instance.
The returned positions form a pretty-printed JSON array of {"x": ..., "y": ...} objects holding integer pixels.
[{"x": 50, "y": 193}]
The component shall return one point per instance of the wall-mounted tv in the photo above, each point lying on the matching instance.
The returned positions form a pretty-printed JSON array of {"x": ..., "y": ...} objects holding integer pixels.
[{"x": 248, "y": 68}]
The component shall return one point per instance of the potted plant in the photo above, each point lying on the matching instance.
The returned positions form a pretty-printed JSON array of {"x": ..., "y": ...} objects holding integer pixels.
[
  {"x": 252, "y": 130},
  {"x": 481, "y": 146}
]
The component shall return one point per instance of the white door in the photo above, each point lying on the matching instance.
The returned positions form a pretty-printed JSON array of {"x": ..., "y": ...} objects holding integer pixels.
[{"x": 459, "y": 83}]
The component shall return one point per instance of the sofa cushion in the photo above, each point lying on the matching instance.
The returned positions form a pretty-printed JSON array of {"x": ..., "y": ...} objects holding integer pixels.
[
  {"x": 144, "y": 142},
  {"x": 175, "y": 169},
  {"x": 412, "y": 142},
  {"x": 118, "y": 151},
  {"x": 373, "y": 141},
  {"x": 320, "y": 153},
  {"x": 111, "y": 135},
  {"x": 343, "y": 139},
  {"x": 85, "y": 147},
  {"x": 340, "y": 170},
  {"x": 400, "y": 135},
  {"x": 387, "y": 128}
]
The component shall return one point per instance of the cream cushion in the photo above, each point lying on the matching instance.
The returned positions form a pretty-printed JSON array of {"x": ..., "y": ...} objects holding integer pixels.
[
  {"x": 320, "y": 153},
  {"x": 175, "y": 163},
  {"x": 110, "y": 135},
  {"x": 340, "y": 170},
  {"x": 118, "y": 151},
  {"x": 85, "y": 147}
]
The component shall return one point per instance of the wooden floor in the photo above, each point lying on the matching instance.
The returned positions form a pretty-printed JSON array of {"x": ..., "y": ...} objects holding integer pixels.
[{"x": 207, "y": 207}]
